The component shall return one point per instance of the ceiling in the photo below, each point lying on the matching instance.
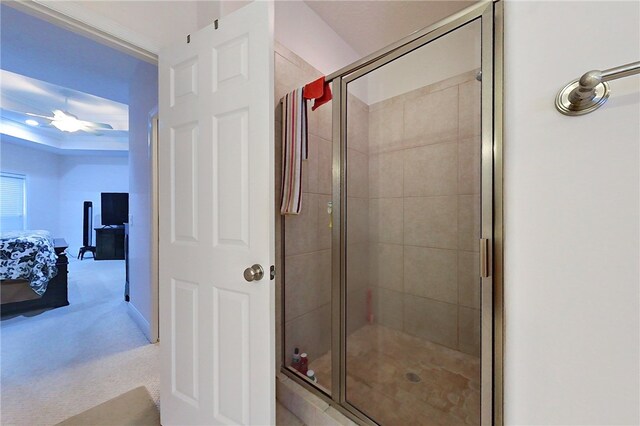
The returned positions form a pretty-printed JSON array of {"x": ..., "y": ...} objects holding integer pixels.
[
  {"x": 368, "y": 26},
  {"x": 46, "y": 67},
  {"x": 21, "y": 96}
]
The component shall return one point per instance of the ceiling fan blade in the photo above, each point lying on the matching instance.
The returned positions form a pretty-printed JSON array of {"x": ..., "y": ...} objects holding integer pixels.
[
  {"x": 96, "y": 126},
  {"x": 37, "y": 115}
]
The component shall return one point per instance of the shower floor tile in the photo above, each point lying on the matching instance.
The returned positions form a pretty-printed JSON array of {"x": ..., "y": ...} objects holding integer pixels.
[{"x": 398, "y": 379}]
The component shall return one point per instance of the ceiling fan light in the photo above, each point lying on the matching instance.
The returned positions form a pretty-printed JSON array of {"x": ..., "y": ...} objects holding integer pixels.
[{"x": 68, "y": 124}]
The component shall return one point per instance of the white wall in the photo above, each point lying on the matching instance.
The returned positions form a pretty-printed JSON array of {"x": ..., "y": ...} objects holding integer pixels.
[
  {"x": 303, "y": 32},
  {"x": 571, "y": 218},
  {"x": 42, "y": 171},
  {"x": 143, "y": 97},
  {"x": 84, "y": 178},
  {"x": 58, "y": 185},
  {"x": 451, "y": 55}
]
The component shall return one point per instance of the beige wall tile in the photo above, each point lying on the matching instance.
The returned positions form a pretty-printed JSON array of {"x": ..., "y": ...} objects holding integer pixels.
[
  {"x": 385, "y": 174},
  {"x": 357, "y": 220},
  {"x": 287, "y": 77},
  {"x": 295, "y": 59},
  {"x": 310, "y": 167},
  {"x": 468, "y": 222},
  {"x": 431, "y": 320},
  {"x": 469, "y": 151},
  {"x": 469, "y": 323},
  {"x": 320, "y": 120},
  {"x": 431, "y": 273},
  {"x": 303, "y": 404},
  {"x": 386, "y": 127},
  {"x": 324, "y": 232},
  {"x": 358, "y": 124},
  {"x": 357, "y": 267},
  {"x": 431, "y": 170},
  {"x": 431, "y": 118},
  {"x": 325, "y": 164},
  {"x": 389, "y": 308},
  {"x": 469, "y": 279},
  {"x": 308, "y": 282},
  {"x": 356, "y": 309},
  {"x": 431, "y": 221},
  {"x": 310, "y": 332},
  {"x": 290, "y": 74},
  {"x": 385, "y": 220},
  {"x": 357, "y": 174},
  {"x": 301, "y": 231},
  {"x": 386, "y": 266},
  {"x": 469, "y": 97}
]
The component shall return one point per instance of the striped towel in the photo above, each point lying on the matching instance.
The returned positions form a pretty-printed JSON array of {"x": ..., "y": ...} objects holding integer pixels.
[{"x": 295, "y": 147}]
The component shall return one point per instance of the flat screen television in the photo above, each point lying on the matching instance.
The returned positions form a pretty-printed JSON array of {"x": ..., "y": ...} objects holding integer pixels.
[{"x": 115, "y": 208}]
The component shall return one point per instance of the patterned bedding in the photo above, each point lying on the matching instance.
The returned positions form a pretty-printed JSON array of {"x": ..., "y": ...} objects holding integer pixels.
[{"x": 28, "y": 255}]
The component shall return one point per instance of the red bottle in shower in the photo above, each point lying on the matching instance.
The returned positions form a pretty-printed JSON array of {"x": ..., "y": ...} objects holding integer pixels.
[{"x": 304, "y": 363}]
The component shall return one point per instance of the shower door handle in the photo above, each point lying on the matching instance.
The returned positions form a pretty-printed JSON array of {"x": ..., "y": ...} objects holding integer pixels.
[{"x": 254, "y": 273}]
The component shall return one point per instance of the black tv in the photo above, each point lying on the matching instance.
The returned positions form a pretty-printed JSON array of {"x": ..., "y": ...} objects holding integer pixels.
[{"x": 115, "y": 208}]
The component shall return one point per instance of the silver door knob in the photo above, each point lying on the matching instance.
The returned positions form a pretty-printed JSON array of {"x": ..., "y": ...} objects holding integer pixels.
[{"x": 255, "y": 273}]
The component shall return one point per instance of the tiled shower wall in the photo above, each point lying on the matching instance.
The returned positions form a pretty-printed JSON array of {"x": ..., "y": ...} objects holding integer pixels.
[
  {"x": 307, "y": 242},
  {"x": 357, "y": 225},
  {"x": 424, "y": 186},
  {"x": 412, "y": 205}
]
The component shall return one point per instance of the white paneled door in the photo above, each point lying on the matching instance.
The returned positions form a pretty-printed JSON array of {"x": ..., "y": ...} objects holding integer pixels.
[{"x": 216, "y": 186}]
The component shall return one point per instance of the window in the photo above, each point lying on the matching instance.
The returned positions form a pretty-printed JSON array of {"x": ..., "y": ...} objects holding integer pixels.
[{"x": 12, "y": 202}]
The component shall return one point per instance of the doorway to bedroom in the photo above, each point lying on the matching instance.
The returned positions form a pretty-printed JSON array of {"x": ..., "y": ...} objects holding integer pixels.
[{"x": 78, "y": 130}]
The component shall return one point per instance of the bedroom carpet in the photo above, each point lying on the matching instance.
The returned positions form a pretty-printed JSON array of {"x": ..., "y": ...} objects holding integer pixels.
[{"x": 61, "y": 362}]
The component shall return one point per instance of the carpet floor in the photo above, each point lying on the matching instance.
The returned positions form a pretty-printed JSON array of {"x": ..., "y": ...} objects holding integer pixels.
[
  {"x": 134, "y": 408},
  {"x": 61, "y": 362}
]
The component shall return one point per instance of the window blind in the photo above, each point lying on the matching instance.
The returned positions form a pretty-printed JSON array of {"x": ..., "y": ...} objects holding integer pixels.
[{"x": 12, "y": 202}]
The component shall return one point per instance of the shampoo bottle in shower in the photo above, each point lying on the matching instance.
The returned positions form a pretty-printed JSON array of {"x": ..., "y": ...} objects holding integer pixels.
[{"x": 295, "y": 360}]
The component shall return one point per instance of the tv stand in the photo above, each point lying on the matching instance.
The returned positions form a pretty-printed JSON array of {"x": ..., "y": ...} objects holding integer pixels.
[{"x": 110, "y": 243}]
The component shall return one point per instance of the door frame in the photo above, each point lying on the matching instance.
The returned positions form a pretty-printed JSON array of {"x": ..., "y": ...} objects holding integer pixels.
[
  {"x": 490, "y": 12},
  {"x": 104, "y": 31}
]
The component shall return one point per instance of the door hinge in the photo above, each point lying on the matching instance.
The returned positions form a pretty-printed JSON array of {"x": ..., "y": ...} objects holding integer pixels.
[
  {"x": 485, "y": 261},
  {"x": 273, "y": 272}
]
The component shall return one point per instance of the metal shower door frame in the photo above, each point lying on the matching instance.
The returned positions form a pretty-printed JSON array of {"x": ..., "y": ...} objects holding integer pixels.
[{"x": 490, "y": 13}]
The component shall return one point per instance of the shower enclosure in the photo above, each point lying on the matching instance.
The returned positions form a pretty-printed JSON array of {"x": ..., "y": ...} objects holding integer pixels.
[{"x": 390, "y": 283}]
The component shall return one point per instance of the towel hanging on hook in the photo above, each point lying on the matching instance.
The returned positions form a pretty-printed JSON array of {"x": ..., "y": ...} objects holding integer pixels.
[{"x": 295, "y": 140}]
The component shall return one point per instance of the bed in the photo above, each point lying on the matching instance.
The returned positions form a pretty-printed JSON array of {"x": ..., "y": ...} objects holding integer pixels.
[{"x": 33, "y": 272}]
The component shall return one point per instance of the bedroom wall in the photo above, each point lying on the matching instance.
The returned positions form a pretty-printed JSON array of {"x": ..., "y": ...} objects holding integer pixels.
[
  {"x": 83, "y": 178},
  {"x": 57, "y": 186},
  {"x": 143, "y": 96},
  {"x": 42, "y": 171}
]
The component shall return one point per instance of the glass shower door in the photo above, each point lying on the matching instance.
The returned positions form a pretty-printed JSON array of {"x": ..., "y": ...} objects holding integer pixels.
[{"x": 412, "y": 229}]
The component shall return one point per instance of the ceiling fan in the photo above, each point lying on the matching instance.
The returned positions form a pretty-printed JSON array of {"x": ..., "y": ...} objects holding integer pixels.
[{"x": 67, "y": 122}]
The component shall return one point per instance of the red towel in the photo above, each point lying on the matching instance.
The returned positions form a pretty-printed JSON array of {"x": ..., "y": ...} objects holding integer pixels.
[{"x": 319, "y": 91}]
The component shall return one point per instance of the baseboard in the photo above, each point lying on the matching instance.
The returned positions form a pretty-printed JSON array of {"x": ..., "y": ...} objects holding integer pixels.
[{"x": 140, "y": 321}]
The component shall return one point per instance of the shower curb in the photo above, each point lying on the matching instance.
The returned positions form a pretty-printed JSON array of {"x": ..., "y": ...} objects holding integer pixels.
[{"x": 306, "y": 406}]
